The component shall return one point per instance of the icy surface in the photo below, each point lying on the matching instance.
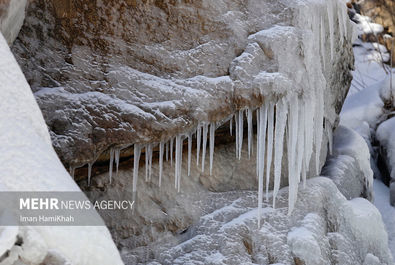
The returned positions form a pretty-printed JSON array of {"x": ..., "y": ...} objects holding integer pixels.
[
  {"x": 324, "y": 228},
  {"x": 25, "y": 141}
]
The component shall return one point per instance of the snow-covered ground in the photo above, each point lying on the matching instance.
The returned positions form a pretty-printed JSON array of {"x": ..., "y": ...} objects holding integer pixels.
[{"x": 363, "y": 109}]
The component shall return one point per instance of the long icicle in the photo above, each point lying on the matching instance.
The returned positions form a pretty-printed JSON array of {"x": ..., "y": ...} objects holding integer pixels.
[
  {"x": 150, "y": 149},
  {"x": 180, "y": 165},
  {"x": 111, "y": 164},
  {"x": 146, "y": 162},
  {"x": 257, "y": 142},
  {"x": 189, "y": 153},
  {"x": 241, "y": 127},
  {"x": 292, "y": 132},
  {"x": 167, "y": 151},
  {"x": 212, "y": 139},
  {"x": 136, "y": 162},
  {"x": 198, "y": 141},
  {"x": 270, "y": 131},
  {"x": 237, "y": 133},
  {"x": 89, "y": 172},
  {"x": 249, "y": 121},
  {"x": 261, "y": 147},
  {"x": 161, "y": 146},
  {"x": 281, "y": 120},
  {"x": 171, "y": 150},
  {"x": 231, "y": 125},
  {"x": 177, "y": 160},
  {"x": 117, "y": 154},
  {"x": 205, "y": 129}
]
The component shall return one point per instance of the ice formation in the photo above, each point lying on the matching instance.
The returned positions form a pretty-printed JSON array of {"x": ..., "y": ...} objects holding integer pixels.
[{"x": 289, "y": 114}]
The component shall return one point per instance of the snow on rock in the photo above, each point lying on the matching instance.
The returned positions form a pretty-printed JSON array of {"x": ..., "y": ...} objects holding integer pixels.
[
  {"x": 324, "y": 228},
  {"x": 349, "y": 165},
  {"x": 29, "y": 162}
]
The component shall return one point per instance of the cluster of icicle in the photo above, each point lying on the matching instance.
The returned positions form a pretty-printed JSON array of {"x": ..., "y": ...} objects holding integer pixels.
[{"x": 294, "y": 121}]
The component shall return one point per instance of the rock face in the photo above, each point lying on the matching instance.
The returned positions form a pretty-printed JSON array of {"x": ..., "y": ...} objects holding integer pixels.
[{"x": 114, "y": 73}]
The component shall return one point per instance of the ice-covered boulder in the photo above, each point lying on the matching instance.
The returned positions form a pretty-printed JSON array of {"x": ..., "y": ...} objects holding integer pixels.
[
  {"x": 28, "y": 162},
  {"x": 349, "y": 164}
]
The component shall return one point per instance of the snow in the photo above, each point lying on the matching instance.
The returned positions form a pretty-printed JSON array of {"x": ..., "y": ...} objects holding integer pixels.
[
  {"x": 360, "y": 118},
  {"x": 387, "y": 211},
  {"x": 25, "y": 141}
]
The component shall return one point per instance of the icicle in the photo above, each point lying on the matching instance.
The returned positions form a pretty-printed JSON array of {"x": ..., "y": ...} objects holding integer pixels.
[
  {"x": 177, "y": 157},
  {"x": 318, "y": 129},
  {"x": 231, "y": 125},
  {"x": 240, "y": 132},
  {"x": 292, "y": 133},
  {"x": 146, "y": 162},
  {"x": 198, "y": 140},
  {"x": 281, "y": 120},
  {"x": 331, "y": 27},
  {"x": 269, "y": 155},
  {"x": 212, "y": 139},
  {"x": 117, "y": 154},
  {"x": 89, "y": 173},
  {"x": 150, "y": 147},
  {"x": 329, "y": 133},
  {"x": 261, "y": 147},
  {"x": 72, "y": 171},
  {"x": 323, "y": 41},
  {"x": 180, "y": 165},
  {"x": 136, "y": 162},
  {"x": 111, "y": 164},
  {"x": 161, "y": 146},
  {"x": 249, "y": 121},
  {"x": 300, "y": 145},
  {"x": 237, "y": 133},
  {"x": 189, "y": 153},
  {"x": 171, "y": 150},
  {"x": 205, "y": 129},
  {"x": 167, "y": 151},
  {"x": 257, "y": 142},
  {"x": 308, "y": 136}
]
